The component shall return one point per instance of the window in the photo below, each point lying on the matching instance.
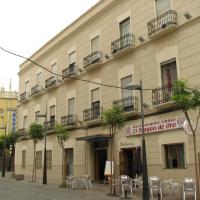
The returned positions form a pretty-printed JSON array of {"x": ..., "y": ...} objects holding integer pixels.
[
  {"x": 162, "y": 6},
  {"x": 39, "y": 79},
  {"x": 95, "y": 44},
  {"x": 174, "y": 156},
  {"x": 23, "y": 159},
  {"x": 53, "y": 69},
  {"x": 37, "y": 119},
  {"x": 124, "y": 27},
  {"x": 38, "y": 159},
  {"x": 25, "y": 122},
  {"x": 168, "y": 73},
  {"x": 124, "y": 82},
  {"x": 95, "y": 102},
  {"x": 71, "y": 106},
  {"x": 49, "y": 159},
  {"x": 27, "y": 86},
  {"x": 52, "y": 113},
  {"x": 72, "y": 57}
]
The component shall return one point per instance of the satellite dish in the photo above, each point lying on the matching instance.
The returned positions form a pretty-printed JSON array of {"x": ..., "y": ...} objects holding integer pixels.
[{"x": 187, "y": 128}]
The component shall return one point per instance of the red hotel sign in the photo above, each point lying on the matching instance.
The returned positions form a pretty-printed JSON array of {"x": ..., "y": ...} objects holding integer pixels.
[{"x": 156, "y": 126}]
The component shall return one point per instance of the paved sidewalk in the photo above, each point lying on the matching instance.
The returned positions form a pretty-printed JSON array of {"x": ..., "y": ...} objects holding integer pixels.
[{"x": 11, "y": 189}]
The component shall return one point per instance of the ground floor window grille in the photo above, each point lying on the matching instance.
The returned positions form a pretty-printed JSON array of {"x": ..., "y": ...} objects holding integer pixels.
[
  {"x": 38, "y": 159},
  {"x": 49, "y": 159},
  {"x": 23, "y": 159}
]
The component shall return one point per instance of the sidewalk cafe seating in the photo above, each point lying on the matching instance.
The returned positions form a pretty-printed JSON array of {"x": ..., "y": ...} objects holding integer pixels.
[
  {"x": 70, "y": 181},
  {"x": 137, "y": 182},
  {"x": 86, "y": 181},
  {"x": 126, "y": 184},
  {"x": 189, "y": 188},
  {"x": 155, "y": 185}
]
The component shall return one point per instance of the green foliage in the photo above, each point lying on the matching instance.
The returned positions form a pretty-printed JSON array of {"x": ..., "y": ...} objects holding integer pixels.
[
  {"x": 61, "y": 132},
  {"x": 36, "y": 131},
  {"x": 113, "y": 118},
  {"x": 186, "y": 97},
  {"x": 12, "y": 137}
]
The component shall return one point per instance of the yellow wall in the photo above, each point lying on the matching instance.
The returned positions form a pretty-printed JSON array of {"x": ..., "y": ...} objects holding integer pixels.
[{"x": 4, "y": 104}]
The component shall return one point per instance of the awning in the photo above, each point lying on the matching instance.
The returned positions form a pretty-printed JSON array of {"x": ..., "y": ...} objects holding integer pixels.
[{"x": 92, "y": 138}]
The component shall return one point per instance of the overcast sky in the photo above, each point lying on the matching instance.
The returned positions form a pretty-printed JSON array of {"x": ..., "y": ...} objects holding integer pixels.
[{"x": 25, "y": 25}]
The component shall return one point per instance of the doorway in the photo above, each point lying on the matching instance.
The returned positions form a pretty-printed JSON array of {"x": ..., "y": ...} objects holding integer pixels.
[
  {"x": 69, "y": 161},
  {"x": 127, "y": 161},
  {"x": 100, "y": 157}
]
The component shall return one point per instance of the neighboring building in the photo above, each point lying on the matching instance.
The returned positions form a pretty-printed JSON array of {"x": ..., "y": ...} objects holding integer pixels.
[
  {"x": 8, "y": 108},
  {"x": 116, "y": 42}
]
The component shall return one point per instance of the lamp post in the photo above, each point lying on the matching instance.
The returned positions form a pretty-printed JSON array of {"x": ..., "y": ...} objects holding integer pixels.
[
  {"x": 4, "y": 153},
  {"x": 144, "y": 158},
  {"x": 45, "y": 150}
]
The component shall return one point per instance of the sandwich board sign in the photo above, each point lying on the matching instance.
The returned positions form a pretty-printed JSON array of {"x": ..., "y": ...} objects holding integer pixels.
[{"x": 107, "y": 171}]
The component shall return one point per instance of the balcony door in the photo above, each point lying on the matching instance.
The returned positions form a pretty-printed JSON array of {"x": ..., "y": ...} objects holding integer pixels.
[
  {"x": 95, "y": 103},
  {"x": 69, "y": 162},
  {"x": 124, "y": 28},
  {"x": 162, "y": 6},
  {"x": 52, "y": 115}
]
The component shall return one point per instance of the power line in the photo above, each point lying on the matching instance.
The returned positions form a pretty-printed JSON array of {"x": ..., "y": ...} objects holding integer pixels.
[{"x": 75, "y": 78}]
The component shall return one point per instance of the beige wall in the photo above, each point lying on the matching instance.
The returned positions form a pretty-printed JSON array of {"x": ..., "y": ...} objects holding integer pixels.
[{"x": 145, "y": 59}]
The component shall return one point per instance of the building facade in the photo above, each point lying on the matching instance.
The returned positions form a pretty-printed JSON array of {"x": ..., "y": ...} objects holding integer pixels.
[
  {"x": 8, "y": 108},
  {"x": 115, "y": 43}
]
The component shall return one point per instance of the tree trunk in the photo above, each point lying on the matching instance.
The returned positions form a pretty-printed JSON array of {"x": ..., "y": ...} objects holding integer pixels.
[{"x": 34, "y": 162}]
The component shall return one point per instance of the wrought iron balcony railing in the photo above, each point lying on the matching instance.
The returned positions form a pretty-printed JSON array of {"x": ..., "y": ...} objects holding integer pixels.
[
  {"x": 93, "y": 58},
  {"x": 161, "y": 22},
  {"x": 23, "y": 133},
  {"x": 50, "y": 125},
  {"x": 69, "y": 120},
  {"x": 122, "y": 43},
  {"x": 162, "y": 95},
  {"x": 37, "y": 89},
  {"x": 69, "y": 71},
  {"x": 127, "y": 104},
  {"x": 92, "y": 113},
  {"x": 52, "y": 81},
  {"x": 24, "y": 96}
]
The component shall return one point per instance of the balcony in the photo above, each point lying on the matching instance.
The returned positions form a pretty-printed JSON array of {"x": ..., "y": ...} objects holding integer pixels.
[
  {"x": 162, "y": 25},
  {"x": 70, "y": 71},
  {"x": 69, "y": 120},
  {"x": 93, "y": 60},
  {"x": 129, "y": 105},
  {"x": 51, "y": 82},
  {"x": 36, "y": 90},
  {"x": 24, "y": 97},
  {"x": 50, "y": 125},
  {"x": 23, "y": 134},
  {"x": 123, "y": 45},
  {"x": 92, "y": 115},
  {"x": 161, "y": 97}
]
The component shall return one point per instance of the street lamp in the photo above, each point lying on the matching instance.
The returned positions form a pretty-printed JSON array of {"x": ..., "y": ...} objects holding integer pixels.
[
  {"x": 45, "y": 150},
  {"x": 144, "y": 158},
  {"x": 4, "y": 148}
]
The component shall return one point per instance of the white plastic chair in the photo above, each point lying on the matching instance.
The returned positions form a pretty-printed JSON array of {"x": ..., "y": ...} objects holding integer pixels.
[
  {"x": 155, "y": 185},
  {"x": 70, "y": 181},
  {"x": 189, "y": 188},
  {"x": 126, "y": 183},
  {"x": 86, "y": 180},
  {"x": 137, "y": 182}
]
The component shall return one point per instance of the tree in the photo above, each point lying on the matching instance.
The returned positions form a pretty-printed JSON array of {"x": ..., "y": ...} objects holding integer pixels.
[
  {"x": 35, "y": 133},
  {"x": 189, "y": 99},
  {"x": 113, "y": 119},
  {"x": 11, "y": 139},
  {"x": 62, "y": 135}
]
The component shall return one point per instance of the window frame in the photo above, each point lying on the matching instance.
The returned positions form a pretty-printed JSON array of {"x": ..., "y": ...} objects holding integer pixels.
[
  {"x": 38, "y": 160},
  {"x": 23, "y": 166}
]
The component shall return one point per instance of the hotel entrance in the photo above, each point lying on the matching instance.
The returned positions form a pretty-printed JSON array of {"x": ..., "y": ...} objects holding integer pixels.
[{"x": 100, "y": 157}]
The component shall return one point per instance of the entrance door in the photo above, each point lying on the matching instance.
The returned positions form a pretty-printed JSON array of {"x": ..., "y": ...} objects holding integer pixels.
[
  {"x": 126, "y": 159},
  {"x": 69, "y": 162},
  {"x": 100, "y": 157}
]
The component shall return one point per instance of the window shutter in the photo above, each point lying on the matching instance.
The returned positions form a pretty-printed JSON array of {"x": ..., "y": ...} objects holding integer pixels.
[
  {"x": 95, "y": 44},
  {"x": 39, "y": 78},
  {"x": 124, "y": 82},
  {"x": 124, "y": 27},
  {"x": 95, "y": 95},
  {"x": 52, "y": 111},
  {"x": 72, "y": 57},
  {"x": 71, "y": 106},
  {"x": 162, "y": 6}
]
